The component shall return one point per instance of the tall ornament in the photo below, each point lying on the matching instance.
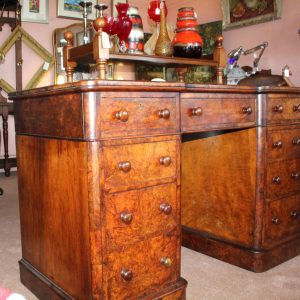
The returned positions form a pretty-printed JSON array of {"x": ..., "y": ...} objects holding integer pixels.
[{"x": 163, "y": 45}]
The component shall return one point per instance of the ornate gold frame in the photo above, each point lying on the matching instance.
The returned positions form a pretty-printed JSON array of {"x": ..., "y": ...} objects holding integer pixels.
[
  {"x": 227, "y": 24},
  {"x": 17, "y": 34}
]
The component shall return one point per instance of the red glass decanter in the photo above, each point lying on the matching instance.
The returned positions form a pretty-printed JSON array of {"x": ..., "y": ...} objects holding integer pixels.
[{"x": 124, "y": 24}]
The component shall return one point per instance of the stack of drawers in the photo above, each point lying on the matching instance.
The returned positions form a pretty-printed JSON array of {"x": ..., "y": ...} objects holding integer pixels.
[
  {"x": 141, "y": 204},
  {"x": 282, "y": 220},
  {"x": 242, "y": 202},
  {"x": 110, "y": 228}
]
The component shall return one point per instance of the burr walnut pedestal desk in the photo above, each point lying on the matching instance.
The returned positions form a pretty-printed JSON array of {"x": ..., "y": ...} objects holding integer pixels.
[{"x": 106, "y": 167}]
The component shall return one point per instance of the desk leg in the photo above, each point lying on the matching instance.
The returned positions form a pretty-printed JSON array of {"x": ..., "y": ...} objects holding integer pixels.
[{"x": 5, "y": 141}]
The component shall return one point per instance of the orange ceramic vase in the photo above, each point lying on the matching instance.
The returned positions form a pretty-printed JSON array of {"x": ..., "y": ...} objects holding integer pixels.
[{"x": 187, "y": 41}]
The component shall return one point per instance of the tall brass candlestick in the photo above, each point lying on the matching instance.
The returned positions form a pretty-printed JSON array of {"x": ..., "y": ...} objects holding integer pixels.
[{"x": 85, "y": 6}]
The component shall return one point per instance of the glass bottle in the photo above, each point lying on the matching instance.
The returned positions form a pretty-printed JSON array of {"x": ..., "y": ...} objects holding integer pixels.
[
  {"x": 163, "y": 45},
  {"x": 125, "y": 24}
]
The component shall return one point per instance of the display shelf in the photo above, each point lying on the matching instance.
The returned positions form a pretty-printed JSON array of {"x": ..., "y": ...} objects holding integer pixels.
[
  {"x": 84, "y": 54},
  {"x": 95, "y": 53}
]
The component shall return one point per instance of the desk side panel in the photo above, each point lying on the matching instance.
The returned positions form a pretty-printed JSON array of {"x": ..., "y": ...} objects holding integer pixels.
[
  {"x": 56, "y": 116},
  {"x": 53, "y": 197}
]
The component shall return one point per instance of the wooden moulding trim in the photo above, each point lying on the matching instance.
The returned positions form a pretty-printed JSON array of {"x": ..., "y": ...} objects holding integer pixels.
[
  {"x": 115, "y": 86},
  {"x": 39, "y": 284},
  {"x": 169, "y": 290},
  {"x": 250, "y": 259}
]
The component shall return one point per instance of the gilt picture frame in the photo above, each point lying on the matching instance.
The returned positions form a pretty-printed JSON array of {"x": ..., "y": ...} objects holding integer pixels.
[
  {"x": 71, "y": 9},
  {"x": 37, "y": 48},
  {"x": 240, "y": 13},
  {"x": 35, "y": 11}
]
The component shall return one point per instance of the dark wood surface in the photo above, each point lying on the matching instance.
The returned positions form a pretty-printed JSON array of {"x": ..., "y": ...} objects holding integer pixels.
[
  {"x": 104, "y": 168},
  {"x": 6, "y": 109}
]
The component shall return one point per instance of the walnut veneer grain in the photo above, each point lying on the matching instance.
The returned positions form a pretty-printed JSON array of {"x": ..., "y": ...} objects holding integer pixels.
[{"x": 108, "y": 172}]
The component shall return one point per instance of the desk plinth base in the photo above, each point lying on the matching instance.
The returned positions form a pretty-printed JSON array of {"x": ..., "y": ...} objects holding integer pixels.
[
  {"x": 43, "y": 288},
  {"x": 252, "y": 260}
]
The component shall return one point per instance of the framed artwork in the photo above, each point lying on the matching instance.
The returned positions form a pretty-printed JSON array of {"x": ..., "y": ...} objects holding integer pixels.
[
  {"x": 239, "y": 13},
  {"x": 208, "y": 32},
  {"x": 35, "y": 11},
  {"x": 72, "y": 10}
]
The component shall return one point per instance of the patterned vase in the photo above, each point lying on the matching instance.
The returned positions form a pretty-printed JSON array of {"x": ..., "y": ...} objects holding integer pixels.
[{"x": 135, "y": 41}]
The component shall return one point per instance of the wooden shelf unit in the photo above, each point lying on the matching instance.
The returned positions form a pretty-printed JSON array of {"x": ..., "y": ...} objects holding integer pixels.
[{"x": 95, "y": 53}]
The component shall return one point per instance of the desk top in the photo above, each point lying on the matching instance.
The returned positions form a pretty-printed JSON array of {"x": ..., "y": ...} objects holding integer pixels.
[{"x": 145, "y": 86}]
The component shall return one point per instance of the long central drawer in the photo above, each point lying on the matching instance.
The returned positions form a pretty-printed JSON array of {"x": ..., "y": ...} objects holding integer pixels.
[{"x": 200, "y": 112}]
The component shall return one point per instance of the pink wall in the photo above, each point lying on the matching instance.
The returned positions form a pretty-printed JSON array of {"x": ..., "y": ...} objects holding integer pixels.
[{"x": 282, "y": 36}]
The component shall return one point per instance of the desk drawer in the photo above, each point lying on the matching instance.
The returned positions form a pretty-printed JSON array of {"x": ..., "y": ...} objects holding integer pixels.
[
  {"x": 283, "y": 109},
  {"x": 283, "y": 143},
  {"x": 282, "y": 220},
  {"x": 148, "y": 264},
  {"x": 137, "y": 116},
  {"x": 283, "y": 178},
  {"x": 140, "y": 165},
  {"x": 217, "y": 113},
  {"x": 140, "y": 213}
]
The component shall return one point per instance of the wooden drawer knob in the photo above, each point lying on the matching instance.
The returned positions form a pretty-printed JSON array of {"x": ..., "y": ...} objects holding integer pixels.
[
  {"x": 277, "y": 144},
  {"x": 165, "y": 208},
  {"x": 278, "y": 108},
  {"x": 166, "y": 261},
  {"x": 122, "y": 115},
  {"x": 276, "y": 221},
  {"x": 276, "y": 179},
  {"x": 126, "y": 274},
  {"x": 296, "y": 141},
  {"x": 197, "y": 111},
  {"x": 294, "y": 214},
  {"x": 126, "y": 217},
  {"x": 295, "y": 175},
  {"x": 296, "y": 108},
  {"x": 164, "y": 114},
  {"x": 165, "y": 161},
  {"x": 247, "y": 110},
  {"x": 125, "y": 166}
]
